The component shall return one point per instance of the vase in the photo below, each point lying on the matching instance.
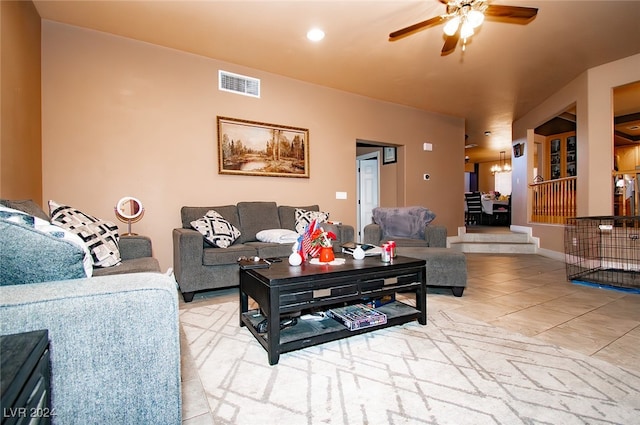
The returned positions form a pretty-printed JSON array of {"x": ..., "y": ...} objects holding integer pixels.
[
  {"x": 326, "y": 254},
  {"x": 295, "y": 259},
  {"x": 358, "y": 253}
]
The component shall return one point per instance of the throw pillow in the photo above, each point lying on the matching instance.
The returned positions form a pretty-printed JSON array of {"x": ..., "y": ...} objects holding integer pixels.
[
  {"x": 33, "y": 250},
  {"x": 277, "y": 236},
  {"x": 216, "y": 230},
  {"x": 100, "y": 236},
  {"x": 304, "y": 217}
]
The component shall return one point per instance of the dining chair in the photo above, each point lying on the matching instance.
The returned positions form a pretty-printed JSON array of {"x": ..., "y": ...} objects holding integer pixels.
[
  {"x": 474, "y": 213},
  {"x": 502, "y": 214}
]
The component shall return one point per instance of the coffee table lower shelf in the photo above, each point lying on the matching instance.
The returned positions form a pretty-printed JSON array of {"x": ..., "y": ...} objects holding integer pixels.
[{"x": 307, "y": 333}]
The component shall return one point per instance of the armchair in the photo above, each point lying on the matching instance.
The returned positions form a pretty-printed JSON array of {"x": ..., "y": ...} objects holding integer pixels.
[{"x": 407, "y": 226}]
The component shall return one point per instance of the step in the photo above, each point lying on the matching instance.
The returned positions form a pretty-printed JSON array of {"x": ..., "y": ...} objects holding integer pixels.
[
  {"x": 494, "y": 237},
  {"x": 503, "y": 243},
  {"x": 493, "y": 247}
]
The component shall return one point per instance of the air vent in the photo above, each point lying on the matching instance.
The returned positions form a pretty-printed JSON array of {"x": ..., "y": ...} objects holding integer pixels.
[{"x": 236, "y": 83}]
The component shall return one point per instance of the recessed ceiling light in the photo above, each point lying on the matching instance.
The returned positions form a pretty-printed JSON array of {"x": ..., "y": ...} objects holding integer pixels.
[
  {"x": 487, "y": 133},
  {"x": 315, "y": 34}
]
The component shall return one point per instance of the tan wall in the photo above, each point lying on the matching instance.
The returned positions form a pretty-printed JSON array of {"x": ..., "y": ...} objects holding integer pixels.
[
  {"x": 592, "y": 93},
  {"x": 20, "y": 136},
  {"x": 122, "y": 117}
]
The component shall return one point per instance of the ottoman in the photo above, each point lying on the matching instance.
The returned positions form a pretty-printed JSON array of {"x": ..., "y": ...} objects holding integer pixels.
[{"x": 445, "y": 266}]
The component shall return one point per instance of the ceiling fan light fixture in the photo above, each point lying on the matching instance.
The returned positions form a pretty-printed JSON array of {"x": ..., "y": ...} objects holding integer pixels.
[
  {"x": 451, "y": 26},
  {"x": 475, "y": 18},
  {"x": 462, "y": 17},
  {"x": 466, "y": 30}
]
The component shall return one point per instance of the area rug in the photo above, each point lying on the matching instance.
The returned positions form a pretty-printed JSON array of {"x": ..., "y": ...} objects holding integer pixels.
[{"x": 454, "y": 370}]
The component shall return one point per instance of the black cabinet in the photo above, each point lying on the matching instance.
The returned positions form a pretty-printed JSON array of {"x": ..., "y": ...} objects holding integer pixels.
[
  {"x": 562, "y": 156},
  {"x": 25, "y": 371}
]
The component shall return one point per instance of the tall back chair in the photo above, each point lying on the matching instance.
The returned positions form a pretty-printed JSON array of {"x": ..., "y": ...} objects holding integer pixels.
[
  {"x": 502, "y": 214},
  {"x": 474, "y": 208}
]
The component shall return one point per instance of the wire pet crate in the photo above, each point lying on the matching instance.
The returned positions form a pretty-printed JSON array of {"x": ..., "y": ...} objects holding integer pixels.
[{"x": 603, "y": 250}]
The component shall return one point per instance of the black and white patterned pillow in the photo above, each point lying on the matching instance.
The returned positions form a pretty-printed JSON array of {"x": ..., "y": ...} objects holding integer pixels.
[
  {"x": 100, "y": 236},
  {"x": 304, "y": 217},
  {"x": 216, "y": 230}
]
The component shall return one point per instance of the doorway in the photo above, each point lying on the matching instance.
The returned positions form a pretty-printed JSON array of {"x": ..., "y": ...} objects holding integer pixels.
[{"x": 368, "y": 189}]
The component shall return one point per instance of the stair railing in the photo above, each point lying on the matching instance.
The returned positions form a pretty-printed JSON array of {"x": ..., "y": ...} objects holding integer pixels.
[{"x": 553, "y": 201}]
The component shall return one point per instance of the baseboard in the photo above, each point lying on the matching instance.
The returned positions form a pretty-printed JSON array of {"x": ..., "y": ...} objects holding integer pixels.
[{"x": 555, "y": 255}]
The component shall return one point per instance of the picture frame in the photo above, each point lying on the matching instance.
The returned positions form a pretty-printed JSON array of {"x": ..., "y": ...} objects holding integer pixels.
[
  {"x": 255, "y": 148},
  {"x": 518, "y": 150},
  {"x": 389, "y": 155}
]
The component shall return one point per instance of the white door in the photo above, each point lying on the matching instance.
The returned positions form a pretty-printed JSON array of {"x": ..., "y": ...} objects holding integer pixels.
[{"x": 368, "y": 189}]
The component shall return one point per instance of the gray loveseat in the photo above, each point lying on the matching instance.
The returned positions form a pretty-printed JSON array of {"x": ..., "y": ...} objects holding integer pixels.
[
  {"x": 200, "y": 266},
  {"x": 114, "y": 340}
]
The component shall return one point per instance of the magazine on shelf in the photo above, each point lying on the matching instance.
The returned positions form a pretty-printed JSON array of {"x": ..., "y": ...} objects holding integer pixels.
[
  {"x": 357, "y": 316},
  {"x": 369, "y": 250}
]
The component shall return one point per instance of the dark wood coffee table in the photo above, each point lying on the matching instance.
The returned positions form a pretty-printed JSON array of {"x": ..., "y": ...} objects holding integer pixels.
[{"x": 283, "y": 291}]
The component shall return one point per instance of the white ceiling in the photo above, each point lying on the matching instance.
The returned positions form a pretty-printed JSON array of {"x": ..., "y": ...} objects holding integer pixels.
[{"x": 506, "y": 70}]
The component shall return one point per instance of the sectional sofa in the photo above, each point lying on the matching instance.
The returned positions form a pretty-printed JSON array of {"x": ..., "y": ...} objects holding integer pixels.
[{"x": 113, "y": 338}]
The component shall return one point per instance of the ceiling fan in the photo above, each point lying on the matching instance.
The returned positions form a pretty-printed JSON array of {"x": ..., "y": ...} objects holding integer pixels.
[{"x": 463, "y": 16}]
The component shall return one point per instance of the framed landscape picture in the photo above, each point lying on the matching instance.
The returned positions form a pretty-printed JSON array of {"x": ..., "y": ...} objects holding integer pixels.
[{"x": 262, "y": 149}]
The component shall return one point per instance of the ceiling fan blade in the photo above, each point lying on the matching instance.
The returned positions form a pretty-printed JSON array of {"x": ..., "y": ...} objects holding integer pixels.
[
  {"x": 450, "y": 43},
  {"x": 514, "y": 12},
  {"x": 415, "y": 27}
]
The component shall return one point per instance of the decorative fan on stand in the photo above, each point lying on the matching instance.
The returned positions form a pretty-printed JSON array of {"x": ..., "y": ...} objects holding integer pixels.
[{"x": 463, "y": 16}]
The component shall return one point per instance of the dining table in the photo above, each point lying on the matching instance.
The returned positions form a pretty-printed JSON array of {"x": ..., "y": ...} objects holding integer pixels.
[{"x": 489, "y": 204}]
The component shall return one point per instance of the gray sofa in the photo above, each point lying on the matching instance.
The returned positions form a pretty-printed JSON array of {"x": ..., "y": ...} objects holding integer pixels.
[{"x": 200, "y": 266}]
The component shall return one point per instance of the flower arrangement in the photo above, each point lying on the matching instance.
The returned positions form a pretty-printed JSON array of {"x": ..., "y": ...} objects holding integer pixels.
[
  {"x": 313, "y": 239},
  {"x": 321, "y": 238}
]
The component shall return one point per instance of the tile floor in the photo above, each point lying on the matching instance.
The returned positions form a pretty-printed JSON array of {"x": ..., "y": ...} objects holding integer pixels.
[{"x": 523, "y": 293}]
